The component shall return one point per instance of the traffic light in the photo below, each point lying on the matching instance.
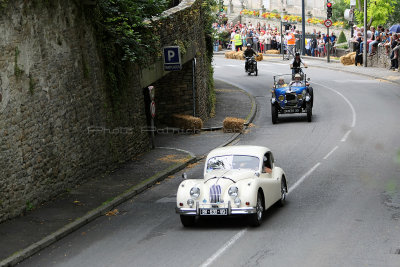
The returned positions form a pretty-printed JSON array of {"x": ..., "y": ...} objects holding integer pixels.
[{"x": 329, "y": 9}]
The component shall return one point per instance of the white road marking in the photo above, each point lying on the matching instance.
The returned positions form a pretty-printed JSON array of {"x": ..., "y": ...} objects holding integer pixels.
[
  {"x": 293, "y": 187},
  {"x": 345, "y": 136},
  {"x": 353, "y": 123},
  {"x": 330, "y": 153},
  {"x": 223, "y": 248}
]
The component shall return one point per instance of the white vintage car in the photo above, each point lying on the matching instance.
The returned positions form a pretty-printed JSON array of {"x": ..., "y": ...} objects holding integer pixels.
[{"x": 238, "y": 180}]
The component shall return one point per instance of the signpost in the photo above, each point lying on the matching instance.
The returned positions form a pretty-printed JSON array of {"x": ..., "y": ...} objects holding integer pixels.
[
  {"x": 153, "y": 114},
  {"x": 172, "y": 58}
]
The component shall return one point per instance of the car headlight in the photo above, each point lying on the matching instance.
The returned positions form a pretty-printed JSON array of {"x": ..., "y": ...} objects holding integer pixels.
[
  {"x": 273, "y": 100},
  {"x": 195, "y": 192},
  {"x": 190, "y": 202},
  {"x": 308, "y": 98},
  {"x": 281, "y": 98},
  {"x": 237, "y": 201},
  {"x": 233, "y": 191}
]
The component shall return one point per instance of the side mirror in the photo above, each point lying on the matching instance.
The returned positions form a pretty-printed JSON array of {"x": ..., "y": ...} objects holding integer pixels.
[
  {"x": 308, "y": 79},
  {"x": 257, "y": 174},
  {"x": 184, "y": 175}
]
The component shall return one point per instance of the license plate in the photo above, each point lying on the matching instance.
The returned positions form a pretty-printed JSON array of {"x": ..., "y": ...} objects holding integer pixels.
[
  {"x": 293, "y": 110},
  {"x": 213, "y": 211}
]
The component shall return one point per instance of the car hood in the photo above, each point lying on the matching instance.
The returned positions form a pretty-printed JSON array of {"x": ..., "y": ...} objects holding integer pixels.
[
  {"x": 230, "y": 176},
  {"x": 295, "y": 89}
]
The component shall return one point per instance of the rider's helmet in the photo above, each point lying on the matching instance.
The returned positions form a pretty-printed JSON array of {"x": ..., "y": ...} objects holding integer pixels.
[
  {"x": 248, "y": 45},
  {"x": 297, "y": 54}
]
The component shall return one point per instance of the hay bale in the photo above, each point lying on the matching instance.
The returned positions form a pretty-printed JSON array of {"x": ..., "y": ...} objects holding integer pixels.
[
  {"x": 272, "y": 52},
  {"x": 348, "y": 59},
  {"x": 187, "y": 122},
  {"x": 233, "y": 125},
  {"x": 239, "y": 55},
  {"x": 259, "y": 57},
  {"x": 230, "y": 54}
]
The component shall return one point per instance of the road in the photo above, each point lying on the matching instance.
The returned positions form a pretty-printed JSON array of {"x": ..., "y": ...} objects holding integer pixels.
[{"x": 343, "y": 206}]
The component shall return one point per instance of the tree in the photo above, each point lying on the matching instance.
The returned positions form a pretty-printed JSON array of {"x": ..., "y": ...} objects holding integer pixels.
[
  {"x": 338, "y": 10},
  {"x": 378, "y": 11},
  {"x": 394, "y": 18}
]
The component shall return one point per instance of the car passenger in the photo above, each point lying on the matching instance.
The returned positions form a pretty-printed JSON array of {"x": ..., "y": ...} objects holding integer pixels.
[
  {"x": 266, "y": 165},
  {"x": 281, "y": 83}
]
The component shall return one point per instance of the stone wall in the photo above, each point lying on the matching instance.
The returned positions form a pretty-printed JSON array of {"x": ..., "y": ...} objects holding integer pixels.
[
  {"x": 57, "y": 127},
  {"x": 182, "y": 27}
]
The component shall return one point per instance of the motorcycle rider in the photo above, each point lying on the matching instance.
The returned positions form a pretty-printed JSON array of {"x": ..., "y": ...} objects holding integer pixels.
[
  {"x": 296, "y": 63},
  {"x": 248, "y": 53}
]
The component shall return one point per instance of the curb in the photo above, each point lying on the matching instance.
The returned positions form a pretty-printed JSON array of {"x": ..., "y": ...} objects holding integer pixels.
[{"x": 102, "y": 209}]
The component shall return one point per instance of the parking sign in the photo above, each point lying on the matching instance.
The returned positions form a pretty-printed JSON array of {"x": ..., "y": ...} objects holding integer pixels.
[{"x": 172, "y": 58}]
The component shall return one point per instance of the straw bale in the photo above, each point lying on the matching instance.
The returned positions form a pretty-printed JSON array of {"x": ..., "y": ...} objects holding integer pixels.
[
  {"x": 259, "y": 57},
  {"x": 272, "y": 52},
  {"x": 348, "y": 59},
  {"x": 183, "y": 121},
  {"x": 233, "y": 125},
  {"x": 239, "y": 55},
  {"x": 230, "y": 54}
]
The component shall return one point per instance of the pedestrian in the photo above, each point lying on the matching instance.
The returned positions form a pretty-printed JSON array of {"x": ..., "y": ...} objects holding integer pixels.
[
  {"x": 238, "y": 41},
  {"x": 395, "y": 52}
]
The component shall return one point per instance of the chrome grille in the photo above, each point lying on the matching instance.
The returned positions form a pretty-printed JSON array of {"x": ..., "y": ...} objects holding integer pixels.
[
  {"x": 290, "y": 97},
  {"x": 215, "y": 194}
]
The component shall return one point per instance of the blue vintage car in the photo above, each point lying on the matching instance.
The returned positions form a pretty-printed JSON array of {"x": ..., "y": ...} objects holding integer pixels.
[{"x": 292, "y": 97}]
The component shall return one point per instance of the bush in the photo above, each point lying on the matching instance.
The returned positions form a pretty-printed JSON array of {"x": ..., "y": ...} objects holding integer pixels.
[{"x": 342, "y": 38}]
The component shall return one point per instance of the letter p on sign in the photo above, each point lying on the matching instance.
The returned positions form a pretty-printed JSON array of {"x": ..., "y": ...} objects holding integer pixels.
[{"x": 172, "y": 58}]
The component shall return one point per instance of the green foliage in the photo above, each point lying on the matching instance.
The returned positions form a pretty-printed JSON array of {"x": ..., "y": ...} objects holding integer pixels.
[
  {"x": 338, "y": 9},
  {"x": 394, "y": 17},
  {"x": 342, "y": 38},
  {"x": 32, "y": 84},
  {"x": 3, "y": 3},
  {"x": 125, "y": 26},
  {"x": 17, "y": 71},
  {"x": 378, "y": 11},
  {"x": 209, "y": 18},
  {"x": 29, "y": 206}
]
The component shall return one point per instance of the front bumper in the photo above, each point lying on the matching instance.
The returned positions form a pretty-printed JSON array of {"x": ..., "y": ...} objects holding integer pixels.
[{"x": 231, "y": 211}]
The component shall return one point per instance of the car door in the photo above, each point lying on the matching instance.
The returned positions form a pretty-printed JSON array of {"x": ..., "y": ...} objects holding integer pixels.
[{"x": 269, "y": 183}]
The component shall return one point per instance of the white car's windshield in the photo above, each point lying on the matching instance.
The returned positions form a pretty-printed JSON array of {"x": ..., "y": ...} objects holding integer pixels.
[{"x": 230, "y": 162}]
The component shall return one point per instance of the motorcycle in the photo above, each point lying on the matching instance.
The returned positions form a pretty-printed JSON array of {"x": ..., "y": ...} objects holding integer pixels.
[{"x": 251, "y": 66}]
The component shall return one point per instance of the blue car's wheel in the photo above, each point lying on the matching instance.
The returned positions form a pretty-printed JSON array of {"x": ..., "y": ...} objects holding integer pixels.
[
  {"x": 274, "y": 114},
  {"x": 309, "y": 111}
]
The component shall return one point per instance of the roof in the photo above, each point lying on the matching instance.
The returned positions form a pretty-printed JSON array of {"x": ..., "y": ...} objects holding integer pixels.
[{"x": 257, "y": 151}]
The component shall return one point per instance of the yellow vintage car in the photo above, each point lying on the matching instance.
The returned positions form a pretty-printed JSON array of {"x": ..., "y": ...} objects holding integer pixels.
[{"x": 238, "y": 180}]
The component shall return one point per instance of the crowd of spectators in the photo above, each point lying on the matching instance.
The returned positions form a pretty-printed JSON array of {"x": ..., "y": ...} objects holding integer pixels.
[
  {"x": 264, "y": 37},
  {"x": 379, "y": 37}
]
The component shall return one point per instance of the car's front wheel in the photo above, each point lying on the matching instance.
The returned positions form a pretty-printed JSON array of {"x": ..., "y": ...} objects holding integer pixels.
[
  {"x": 309, "y": 111},
  {"x": 274, "y": 114},
  {"x": 256, "y": 218},
  {"x": 282, "y": 201},
  {"x": 188, "y": 221}
]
